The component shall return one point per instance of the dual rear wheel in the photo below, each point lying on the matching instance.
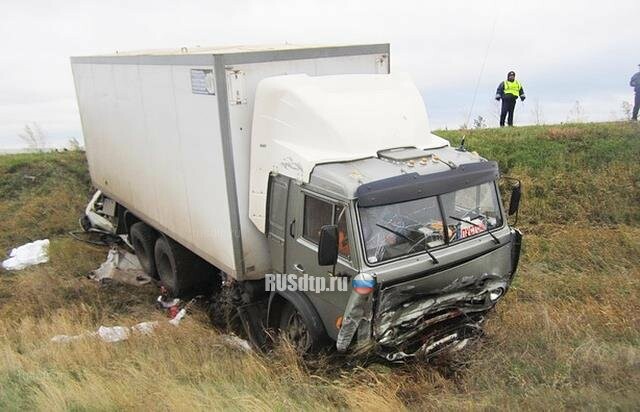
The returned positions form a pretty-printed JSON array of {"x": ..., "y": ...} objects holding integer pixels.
[
  {"x": 182, "y": 272},
  {"x": 143, "y": 239}
]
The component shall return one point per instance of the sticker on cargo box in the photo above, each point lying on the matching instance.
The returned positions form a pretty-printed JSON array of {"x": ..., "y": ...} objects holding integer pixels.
[{"x": 202, "y": 81}]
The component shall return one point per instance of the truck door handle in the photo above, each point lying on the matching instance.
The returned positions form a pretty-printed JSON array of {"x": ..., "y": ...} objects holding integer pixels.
[
  {"x": 292, "y": 225},
  {"x": 299, "y": 267}
]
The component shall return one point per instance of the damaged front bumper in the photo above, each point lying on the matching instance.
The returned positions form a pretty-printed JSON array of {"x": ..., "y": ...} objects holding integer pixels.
[
  {"x": 416, "y": 318},
  {"x": 423, "y": 326}
]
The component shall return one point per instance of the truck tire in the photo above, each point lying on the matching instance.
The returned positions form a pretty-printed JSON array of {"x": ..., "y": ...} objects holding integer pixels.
[
  {"x": 143, "y": 239},
  {"x": 183, "y": 273},
  {"x": 302, "y": 332}
]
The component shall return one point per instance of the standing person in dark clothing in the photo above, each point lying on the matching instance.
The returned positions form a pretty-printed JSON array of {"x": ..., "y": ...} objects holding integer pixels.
[
  {"x": 635, "y": 83},
  {"x": 509, "y": 91}
]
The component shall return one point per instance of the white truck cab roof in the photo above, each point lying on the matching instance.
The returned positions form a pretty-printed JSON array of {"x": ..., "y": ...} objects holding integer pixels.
[{"x": 301, "y": 121}]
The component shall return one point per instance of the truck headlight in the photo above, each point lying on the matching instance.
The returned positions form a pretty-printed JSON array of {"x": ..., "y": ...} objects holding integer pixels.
[{"x": 495, "y": 294}]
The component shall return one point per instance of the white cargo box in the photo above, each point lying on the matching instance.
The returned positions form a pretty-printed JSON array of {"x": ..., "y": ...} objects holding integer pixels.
[{"x": 167, "y": 135}]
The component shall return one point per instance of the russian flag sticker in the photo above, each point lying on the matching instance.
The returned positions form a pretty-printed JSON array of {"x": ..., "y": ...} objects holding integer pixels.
[{"x": 363, "y": 283}]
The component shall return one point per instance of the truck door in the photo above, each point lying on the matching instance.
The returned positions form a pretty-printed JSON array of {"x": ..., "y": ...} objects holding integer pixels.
[{"x": 308, "y": 212}]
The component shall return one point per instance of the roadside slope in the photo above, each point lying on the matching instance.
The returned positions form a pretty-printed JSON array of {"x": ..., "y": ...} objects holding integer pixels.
[{"x": 566, "y": 336}]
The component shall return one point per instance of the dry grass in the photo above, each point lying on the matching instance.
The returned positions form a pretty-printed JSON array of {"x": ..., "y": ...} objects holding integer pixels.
[{"x": 567, "y": 336}]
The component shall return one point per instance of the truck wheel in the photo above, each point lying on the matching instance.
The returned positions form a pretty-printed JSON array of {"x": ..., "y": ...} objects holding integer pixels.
[
  {"x": 300, "y": 331},
  {"x": 181, "y": 272},
  {"x": 143, "y": 239}
]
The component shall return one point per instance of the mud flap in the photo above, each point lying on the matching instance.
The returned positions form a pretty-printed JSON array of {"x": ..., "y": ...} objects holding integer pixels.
[
  {"x": 253, "y": 319},
  {"x": 515, "y": 251}
]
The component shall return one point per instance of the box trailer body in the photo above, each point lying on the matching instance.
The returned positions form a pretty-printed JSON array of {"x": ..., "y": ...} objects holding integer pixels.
[{"x": 168, "y": 136}]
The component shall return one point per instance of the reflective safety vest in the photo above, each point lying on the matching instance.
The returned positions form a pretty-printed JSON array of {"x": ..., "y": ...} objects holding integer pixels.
[{"x": 512, "y": 88}]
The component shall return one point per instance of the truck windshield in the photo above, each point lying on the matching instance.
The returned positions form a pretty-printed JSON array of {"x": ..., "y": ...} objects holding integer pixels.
[
  {"x": 406, "y": 228},
  {"x": 471, "y": 211}
]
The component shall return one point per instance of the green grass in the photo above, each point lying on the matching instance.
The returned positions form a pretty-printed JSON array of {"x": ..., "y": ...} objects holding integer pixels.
[
  {"x": 578, "y": 173},
  {"x": 571, "y": 147},
  {"x": 41, "y": 195},
  {"x": 567, "y": 336}
]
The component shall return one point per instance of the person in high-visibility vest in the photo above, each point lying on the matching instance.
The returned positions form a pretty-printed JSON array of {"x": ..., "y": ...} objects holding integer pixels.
[
  {"x": 509, "y": 91},
  {"x": 635, "y": 83}
]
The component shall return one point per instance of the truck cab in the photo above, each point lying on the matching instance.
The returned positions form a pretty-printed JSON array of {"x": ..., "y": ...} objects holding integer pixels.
[{"x": 376, "y": 199}]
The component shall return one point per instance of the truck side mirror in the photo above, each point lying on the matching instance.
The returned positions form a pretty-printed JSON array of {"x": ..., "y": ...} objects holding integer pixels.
[
  {"x": 514, "y": 203},
  {"x": 328, "y": 246}
]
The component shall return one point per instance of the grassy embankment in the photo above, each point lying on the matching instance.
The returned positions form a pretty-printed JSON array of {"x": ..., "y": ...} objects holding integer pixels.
[{"x": 567, "y": 335}]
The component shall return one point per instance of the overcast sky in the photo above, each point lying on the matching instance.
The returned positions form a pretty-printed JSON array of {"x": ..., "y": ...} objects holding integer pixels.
[{"x": 563, "y": 51}]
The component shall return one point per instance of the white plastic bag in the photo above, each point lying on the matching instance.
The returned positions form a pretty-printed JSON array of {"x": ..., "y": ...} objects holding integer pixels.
[
  {"x": 27, "y": 255},
  {"x": 113, "y": 333}
]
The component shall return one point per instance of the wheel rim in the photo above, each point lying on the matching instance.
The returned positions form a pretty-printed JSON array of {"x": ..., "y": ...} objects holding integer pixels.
[{"x": 297, "y": 333}]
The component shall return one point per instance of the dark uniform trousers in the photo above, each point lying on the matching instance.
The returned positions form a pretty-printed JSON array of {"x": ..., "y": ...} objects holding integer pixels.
[{"x": 508, "y": 106}]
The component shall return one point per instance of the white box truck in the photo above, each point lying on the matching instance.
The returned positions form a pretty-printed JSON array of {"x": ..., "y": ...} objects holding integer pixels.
[{"x": 242, "y": 165}]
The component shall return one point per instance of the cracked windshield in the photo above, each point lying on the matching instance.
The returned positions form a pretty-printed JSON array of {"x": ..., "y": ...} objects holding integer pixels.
[
  {"x": 471, "y": 211},
  {"x": 405, "y": 228},
  {"x": 401, "y": 228}
]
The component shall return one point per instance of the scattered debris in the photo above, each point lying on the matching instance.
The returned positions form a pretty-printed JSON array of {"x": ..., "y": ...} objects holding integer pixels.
[
  {"x": 96, "y": 220},
  {"x": 113, "y": 333},
  {"x": 176, "y": 314},
  {"x": 27, "y": 255},
  {"x": 98, "y": 237},
  {"x": 97, "y": 227},
  {"x": 110, "y": 334},
  {"x": 119, "y": 333},
  {"x": 165, "y": 301},
  {"x": 172, "y": 305},
  {"x": 121, "y": 266},
  {"x": 179, "y": 316},
  {"x": 238, "y": 343},
  {"x": 146, "y": 328}
]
